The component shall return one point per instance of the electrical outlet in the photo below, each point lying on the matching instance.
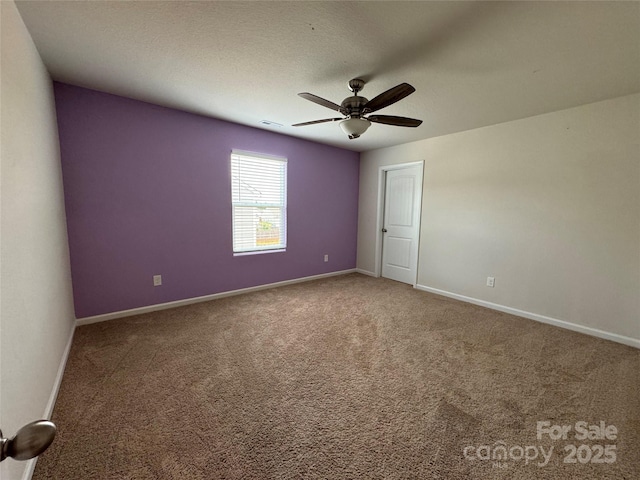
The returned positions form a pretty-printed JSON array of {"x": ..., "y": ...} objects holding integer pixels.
[
  {"x": 326, "y": 258},
  {"x": 491, "y": 282},
  {"x": 157, "y": 280}
]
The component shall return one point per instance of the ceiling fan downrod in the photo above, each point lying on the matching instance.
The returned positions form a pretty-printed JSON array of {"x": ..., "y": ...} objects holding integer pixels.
[
  {"x": 353, "y": 106},
  {"x": 356, "y": 85}
]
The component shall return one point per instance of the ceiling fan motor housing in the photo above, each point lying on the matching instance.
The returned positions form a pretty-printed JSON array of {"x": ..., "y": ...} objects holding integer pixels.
[{"x": 353, "y": 106}]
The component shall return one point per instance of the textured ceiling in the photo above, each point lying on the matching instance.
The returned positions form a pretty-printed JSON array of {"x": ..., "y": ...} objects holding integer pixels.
[{"x": 473, "y": 63}]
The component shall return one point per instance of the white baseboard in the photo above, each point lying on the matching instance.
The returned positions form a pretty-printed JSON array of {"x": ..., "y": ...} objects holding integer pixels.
[
  {"x": 205, "y": 298},
  {"x": 632, "y": 342},
  {"x": 366, "y": 272},
  {"x": 48, "y": 411}
]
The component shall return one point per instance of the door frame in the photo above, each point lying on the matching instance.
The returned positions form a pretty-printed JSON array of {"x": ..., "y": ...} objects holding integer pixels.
[{"x": 382, "y": 176}]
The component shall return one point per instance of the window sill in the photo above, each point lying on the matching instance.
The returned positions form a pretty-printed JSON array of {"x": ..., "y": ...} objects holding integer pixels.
[{"x": 258, "y": 252}]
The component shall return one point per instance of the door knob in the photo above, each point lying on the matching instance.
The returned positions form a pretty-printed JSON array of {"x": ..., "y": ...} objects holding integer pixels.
[
  {"x": 30, "y": 441},
  {"x": 384, "y": 230}
]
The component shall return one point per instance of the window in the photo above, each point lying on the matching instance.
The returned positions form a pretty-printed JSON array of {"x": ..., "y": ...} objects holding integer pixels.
[{"x": 259, "y": 199}]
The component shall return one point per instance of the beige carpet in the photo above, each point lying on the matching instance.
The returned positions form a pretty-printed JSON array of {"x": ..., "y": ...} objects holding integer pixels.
[{"x": 345, "y": 378}]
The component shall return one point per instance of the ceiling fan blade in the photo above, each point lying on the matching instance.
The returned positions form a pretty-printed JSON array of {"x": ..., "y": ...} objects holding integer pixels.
[
  {"x": 320, "y": 101},
  {"x": 313, "y": 122},
  {"x": 397, "y": 121},
  {"x": 389, "y": 97}
]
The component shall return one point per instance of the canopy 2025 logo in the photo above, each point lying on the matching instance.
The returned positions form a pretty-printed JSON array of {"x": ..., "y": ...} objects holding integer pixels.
[{"x": 501, "y": 455}]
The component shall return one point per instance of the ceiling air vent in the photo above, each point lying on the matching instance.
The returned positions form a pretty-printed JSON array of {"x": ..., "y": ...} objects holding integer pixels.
[{"x": 269, "y": 123}]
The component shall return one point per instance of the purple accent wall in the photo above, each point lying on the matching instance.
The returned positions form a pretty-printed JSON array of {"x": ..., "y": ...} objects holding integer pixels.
[{"x": 147, "y": 191}]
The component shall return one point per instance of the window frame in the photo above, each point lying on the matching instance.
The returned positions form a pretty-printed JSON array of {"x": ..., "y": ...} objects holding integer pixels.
[{"x": 281, "y": 247}]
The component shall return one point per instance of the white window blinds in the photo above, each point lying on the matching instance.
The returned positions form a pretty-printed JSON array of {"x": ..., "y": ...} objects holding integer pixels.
[{"x": 259, "y": 199}]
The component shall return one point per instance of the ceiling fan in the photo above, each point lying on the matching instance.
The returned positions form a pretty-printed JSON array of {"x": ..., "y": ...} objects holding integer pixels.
[{"x": 355, "y": 108}]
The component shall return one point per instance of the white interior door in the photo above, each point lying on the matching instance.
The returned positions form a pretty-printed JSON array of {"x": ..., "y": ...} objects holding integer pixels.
[{"x": 401, "y": 223}]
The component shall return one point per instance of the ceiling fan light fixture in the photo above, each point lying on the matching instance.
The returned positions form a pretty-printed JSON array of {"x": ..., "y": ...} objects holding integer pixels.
[{"x": 354, "y": 127}]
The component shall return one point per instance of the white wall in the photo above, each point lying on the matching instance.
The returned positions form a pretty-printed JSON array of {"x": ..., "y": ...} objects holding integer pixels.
[
  {"x": 548, "y": 205},
  {"x": 36, "y": 308}
]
